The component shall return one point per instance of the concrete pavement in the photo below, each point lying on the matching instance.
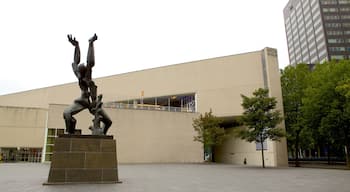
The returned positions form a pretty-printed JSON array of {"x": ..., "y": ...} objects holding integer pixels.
[{"x": 20, "y": 177}]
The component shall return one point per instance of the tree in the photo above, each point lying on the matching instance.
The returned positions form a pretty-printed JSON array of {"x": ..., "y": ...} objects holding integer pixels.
[
  {"x": 294, "y": 81},
  {"x": 209, "y": 132},
  {"x": 326, "y": 104},
  {"x": 260, "y": 119}
]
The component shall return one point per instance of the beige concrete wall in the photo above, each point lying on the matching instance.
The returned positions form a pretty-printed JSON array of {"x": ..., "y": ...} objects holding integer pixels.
[
  {"x": 22, "y": 127},
  {"x": 274, "y": 85},
  {"x": 144, "y": 136},
  {"x": 234, "y": 151},
  {"x": 217, "y": 82}
]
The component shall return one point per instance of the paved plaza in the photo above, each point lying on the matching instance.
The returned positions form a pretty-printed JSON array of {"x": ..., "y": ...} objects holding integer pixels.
[{"x": 20, "y": 177}]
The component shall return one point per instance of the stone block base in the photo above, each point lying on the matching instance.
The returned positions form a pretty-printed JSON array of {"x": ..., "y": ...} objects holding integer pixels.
[{"x": 83, "y": 159}]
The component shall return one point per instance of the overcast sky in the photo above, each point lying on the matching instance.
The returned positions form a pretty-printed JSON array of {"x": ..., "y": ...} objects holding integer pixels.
[{"x": 132, "y": 35}]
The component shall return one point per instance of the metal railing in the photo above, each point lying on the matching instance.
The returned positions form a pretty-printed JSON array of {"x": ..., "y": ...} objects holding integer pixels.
[{"x": 150, "y": 107}]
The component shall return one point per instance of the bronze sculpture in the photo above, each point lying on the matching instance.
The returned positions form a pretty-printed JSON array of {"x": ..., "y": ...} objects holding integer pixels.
[{"x": 88, "y": 97}]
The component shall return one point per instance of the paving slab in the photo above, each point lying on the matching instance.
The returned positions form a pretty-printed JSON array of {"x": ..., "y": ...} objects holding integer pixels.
[{"x": 22, "y": 177}]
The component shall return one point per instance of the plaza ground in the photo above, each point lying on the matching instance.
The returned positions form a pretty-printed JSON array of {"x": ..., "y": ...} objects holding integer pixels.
[{"x": 184, "y": 177}]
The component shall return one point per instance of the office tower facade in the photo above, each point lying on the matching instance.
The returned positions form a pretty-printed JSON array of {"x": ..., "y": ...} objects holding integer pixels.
[{"x": 317, "y": 30}]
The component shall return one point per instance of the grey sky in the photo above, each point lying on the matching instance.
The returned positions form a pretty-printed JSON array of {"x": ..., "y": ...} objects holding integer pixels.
[{"x": 133, "y": 35}]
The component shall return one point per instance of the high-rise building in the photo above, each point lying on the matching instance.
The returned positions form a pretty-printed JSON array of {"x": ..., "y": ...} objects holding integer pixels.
[{"x": 317, "y": 30}]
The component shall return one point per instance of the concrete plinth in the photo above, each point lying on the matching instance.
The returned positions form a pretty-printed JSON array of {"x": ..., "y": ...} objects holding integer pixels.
[{"x": 83, "y": 159}]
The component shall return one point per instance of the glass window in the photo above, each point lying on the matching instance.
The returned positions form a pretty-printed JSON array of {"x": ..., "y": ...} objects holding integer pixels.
[
  {"x": 345, "y": 16},
  {"x": 337, "y": 56},
  {"x": 330, "y": 10},
  {"x": 335, "y": 32},
  {"x": 331, "y": 17},
  {"x": 328, "y": 2},
  {"x": 337, "y": 48},
  {"x": 335, "y": 40},
  {"x": 50, "y": 141},
  {"x": 344, "y": 2},
  {"x": 333, "y": 25},
  {"x": 345, "y": 9}
]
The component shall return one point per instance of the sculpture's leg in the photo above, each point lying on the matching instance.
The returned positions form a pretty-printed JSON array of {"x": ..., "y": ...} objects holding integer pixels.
[
  {"x": 106, "y": 120},
  {"x": 93, "y": 91},
  {"x": 68, "y": 116}
]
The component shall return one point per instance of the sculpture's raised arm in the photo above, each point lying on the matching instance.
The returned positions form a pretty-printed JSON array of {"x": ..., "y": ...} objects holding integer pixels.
[
  {"x": 91, "y": 54},
  {"x": 75, "y": 43}
]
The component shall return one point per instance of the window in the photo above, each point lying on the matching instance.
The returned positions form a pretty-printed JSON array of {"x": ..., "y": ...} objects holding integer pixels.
[
  {"x": 344, "y": 2},
  {"x": 50, "y": 141},
  {"x": 335, "y": 32},
  {"x": 345, "y": 9},
  {"x": 331, "y": 17},
  {"x": 335, "y": 40},
  {"x": 333, "y": 25},
  {"x": 345, "y": 16},
  {"x": 337, "y": 56},
  {"x": 328, "y": 2},
  {"x": 346, "y": 24},
  {"x": 335, "y": 49},
  {"x": 330, "y": 10}
]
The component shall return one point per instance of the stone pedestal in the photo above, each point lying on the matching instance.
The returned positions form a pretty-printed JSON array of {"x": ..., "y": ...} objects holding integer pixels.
[{"x": 83, "y": 159}]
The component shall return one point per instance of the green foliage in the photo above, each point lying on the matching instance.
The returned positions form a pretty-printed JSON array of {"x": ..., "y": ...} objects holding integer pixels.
[
  {"x": 260, "y": 118},
  {"x": 209, "y": 131},
  {"x": 326, "y": 103},
  {"x": 294, "y": 81}
]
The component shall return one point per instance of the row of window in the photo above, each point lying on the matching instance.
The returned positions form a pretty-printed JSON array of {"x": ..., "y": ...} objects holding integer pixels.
[
  {"x": 334, "y": 2},
  {"x": 337, "y": 56},
  {"x": 337, "y": 25},
  {"x": 339, "y": 49},
  {"x": 334, "y": 9},
  {"x": 336, "y": 17},
  {"x": 329, "y": 2},
  {"x": 338, "y": 40},
  {"x": 344, "y": 2},
  {"x": 312, "y": 47},
  {"x": 338, "y": 32}
]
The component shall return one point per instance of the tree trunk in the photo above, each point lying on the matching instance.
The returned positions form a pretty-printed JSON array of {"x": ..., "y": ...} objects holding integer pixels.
[
  {"x": 297, "y": 164},
  {"x": 262, "y": 152},
  {"x": 347, "y": 144},
  {"x": 348, "y": 155},
  {"x": 212, "y": 154},
  {"x": 328, "y": 153}
]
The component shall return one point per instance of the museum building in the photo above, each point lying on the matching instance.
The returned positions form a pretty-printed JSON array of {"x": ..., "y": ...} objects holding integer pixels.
[{"x": 152, "y": 112}]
